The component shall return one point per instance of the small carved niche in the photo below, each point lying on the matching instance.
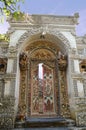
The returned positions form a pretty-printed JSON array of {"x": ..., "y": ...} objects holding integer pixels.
[
  {"x": 3, "y": 64},
  {"x": 23, "y": 61},
  {"x": 83, "y": 66}
]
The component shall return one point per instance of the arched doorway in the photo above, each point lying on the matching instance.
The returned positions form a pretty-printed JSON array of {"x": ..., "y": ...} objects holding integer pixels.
[{"x": 43, "y": 85}]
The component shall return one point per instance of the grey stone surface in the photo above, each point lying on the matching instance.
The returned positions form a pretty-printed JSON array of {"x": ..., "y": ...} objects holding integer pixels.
[{"x": 51, "y": 128}]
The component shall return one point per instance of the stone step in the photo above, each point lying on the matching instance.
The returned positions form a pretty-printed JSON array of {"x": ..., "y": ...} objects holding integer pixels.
[
  {"x": 45, "y": 122},
  {"x": 49, "y": 128}
]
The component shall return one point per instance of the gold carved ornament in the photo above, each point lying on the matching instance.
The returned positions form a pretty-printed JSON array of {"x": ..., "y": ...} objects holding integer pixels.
[{"x": 62, "y": 61}]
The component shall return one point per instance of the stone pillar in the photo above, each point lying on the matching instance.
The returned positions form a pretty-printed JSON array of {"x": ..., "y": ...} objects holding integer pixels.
[
  {"x": 64, "y": 101},
  {"x": 80, "y": 88},
  {"x": 10, "y": 65},
  {"x": 7, "y": 88},
  {"x": 10, "y": 75},
  {"x": 76, "y": 66},
  {"x": 8, "y": 101}
]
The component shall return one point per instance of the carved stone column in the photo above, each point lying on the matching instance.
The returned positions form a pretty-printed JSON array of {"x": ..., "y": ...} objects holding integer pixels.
[
  {"x": 64, "y": 103},
  {"x": 23, "y": 84}
]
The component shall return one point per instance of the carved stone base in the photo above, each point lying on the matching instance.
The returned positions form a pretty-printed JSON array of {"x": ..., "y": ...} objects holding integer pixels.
[
  {"x": 81, "y": 119},
  {"x": 7, "y": 112}
]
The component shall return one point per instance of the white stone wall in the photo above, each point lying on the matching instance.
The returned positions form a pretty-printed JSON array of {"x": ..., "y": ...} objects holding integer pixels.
[
  {"x": 70, "y": 38},
  {"x": 7, "y": 88},
  {"x": 76, "y": 66},
  {"x": 80, "y": 89}
]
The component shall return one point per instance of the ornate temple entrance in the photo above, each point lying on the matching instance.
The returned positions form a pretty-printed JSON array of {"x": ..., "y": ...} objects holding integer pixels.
[
  {"x": 43, "y": 94},
  {"x": 43, "y": 86}
]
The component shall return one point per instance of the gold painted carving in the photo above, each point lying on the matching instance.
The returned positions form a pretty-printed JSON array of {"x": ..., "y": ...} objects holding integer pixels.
[
  {"x": 43, "y": 54},
  {"x": 65, "y": 112},
  {"x": 23, "y": 61},
  {"x": 62, "y": 61}
]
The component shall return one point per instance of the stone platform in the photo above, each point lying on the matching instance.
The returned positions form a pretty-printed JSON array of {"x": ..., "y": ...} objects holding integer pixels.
[
  {"x": 45, "y": 122},
  {"x": 49, "y": 128}
]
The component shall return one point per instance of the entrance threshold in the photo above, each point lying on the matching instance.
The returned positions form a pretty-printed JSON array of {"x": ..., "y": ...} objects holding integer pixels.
[{"x": 45, "y": 122}]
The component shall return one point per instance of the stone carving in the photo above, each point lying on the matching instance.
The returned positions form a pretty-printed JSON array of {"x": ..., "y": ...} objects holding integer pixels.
[
  {"x": 81, "y": 111},
  {"x": 21, "y": 17},
  {"x": 7, "y": 112},
  {"x": 23, "y": 85},
  {"x": 43, "y": 54},
  {"x": 3, "y": 64},
  {"x": 75, "y": 88},
  {"x": 76, "y": 16},
  {"x": 12, "y": 52},
  {"x": 12, "y": 49},
  {"x": 65, "y": 111},
  {"x": 62, "y": 61},
  {"x": 81, "y": 119},
  {"x": 35, "y": 31},
  {"x": 4, "y": 50},
  {"x": 44, "y": 19},
  {"x": 23, "y": 61}
]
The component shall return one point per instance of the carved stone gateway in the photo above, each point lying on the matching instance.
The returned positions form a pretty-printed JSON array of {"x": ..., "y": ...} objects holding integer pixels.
[
  {"x": 43, "y": 88},
  {"x": 42, "y": 73}
]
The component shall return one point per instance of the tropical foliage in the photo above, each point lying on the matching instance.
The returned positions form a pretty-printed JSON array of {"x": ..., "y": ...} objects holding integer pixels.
[
  {"x": 8, "y": 7},
  {"x": 4, "y": 38}
]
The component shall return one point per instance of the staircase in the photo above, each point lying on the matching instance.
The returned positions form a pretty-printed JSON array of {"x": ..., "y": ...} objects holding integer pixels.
[{"x": 45, "y": 122}]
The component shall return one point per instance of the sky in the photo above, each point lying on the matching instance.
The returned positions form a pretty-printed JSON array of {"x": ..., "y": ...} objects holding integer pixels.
[{"x": 55, "y": 7}]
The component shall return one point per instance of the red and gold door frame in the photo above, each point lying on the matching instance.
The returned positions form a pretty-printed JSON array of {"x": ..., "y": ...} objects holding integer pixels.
[{"x": 43, "y": 85}]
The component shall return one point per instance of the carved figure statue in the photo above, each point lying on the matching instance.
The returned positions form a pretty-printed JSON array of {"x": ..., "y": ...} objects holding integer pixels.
[
  {"x": 62, "y": 61},
  {"x": 23, "y": 61}
]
